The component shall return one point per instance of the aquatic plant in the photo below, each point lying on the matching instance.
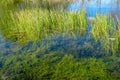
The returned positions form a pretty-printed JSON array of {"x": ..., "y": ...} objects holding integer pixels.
[
  {"x": 104, "y": 30},
  {"x": 118, "y": 35},
  {"x": 54, "y": 60},
  {"x": 30, "y": 4},
  {"x": 53, "y": 66},
  {"x": 33, "y": 25}
]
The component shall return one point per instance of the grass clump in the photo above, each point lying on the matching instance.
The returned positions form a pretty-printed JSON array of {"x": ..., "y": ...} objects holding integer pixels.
[
  {"x": 33, "y": 25},
  {"x": 104, "y": 30},
  {"x": 29, "y": 4}
]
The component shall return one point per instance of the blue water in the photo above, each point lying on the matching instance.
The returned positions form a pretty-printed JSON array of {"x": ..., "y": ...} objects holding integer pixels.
[{"x": 93, "y": 7}]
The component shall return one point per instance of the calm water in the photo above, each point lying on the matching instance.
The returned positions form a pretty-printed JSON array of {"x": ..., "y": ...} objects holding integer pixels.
[{"x": 92, "y": 7}]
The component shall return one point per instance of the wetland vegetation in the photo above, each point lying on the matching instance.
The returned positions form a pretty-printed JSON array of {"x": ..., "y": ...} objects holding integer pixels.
[{"x": 45, "y": 40}]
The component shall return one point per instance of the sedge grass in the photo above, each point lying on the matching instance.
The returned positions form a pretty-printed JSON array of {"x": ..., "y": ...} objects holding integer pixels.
[
  {"x": 29, "y": 4},
  {"x": 104, "y": 29},
  {"x": 33, "y": 25}
]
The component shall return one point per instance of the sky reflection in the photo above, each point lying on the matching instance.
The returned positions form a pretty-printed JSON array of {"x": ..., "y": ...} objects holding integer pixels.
[{"x": 95, "y": 6}]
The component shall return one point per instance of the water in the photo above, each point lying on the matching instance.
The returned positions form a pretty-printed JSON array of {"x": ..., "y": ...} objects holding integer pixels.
[
  {"x": 8, "y": 46},
  {"x": 80, "y": 47},
  {"x": 93, "y": 7}
]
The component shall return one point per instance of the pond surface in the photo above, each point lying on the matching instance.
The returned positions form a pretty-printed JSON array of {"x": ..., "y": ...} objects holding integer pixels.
[{"x": 92, "y": 7}]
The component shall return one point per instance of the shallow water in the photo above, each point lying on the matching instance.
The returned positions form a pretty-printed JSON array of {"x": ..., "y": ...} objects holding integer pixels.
[
  {"x": 91, "y": 6},
  {"x": 14, "y": 54},
  {"x": 8, "y": 46}
]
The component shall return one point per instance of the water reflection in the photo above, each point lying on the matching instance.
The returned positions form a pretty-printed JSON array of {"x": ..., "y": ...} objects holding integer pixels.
[{"x": 96, "y": 6}]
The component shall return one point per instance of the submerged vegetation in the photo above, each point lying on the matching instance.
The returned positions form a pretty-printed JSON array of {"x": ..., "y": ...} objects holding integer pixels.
[
  {"x": 47, "y": 64},
  {"x": 53, "y": 66},
  {"x": 83, "y": 52}
]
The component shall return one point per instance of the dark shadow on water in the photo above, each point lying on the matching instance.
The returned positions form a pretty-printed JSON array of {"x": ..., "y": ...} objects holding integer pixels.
[{"x": 79, "y": 47}]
